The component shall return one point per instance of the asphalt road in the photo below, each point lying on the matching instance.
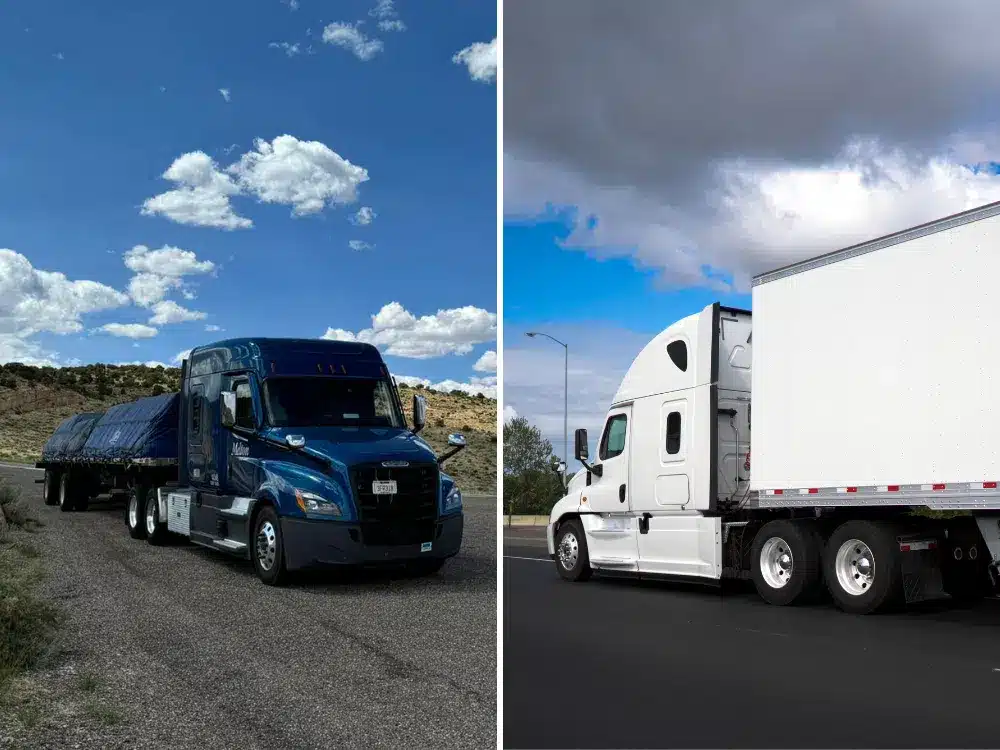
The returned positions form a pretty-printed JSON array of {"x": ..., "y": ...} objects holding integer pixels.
[
  {"x": 196, "y": 652},
  {"x": 609, "y": 663}
]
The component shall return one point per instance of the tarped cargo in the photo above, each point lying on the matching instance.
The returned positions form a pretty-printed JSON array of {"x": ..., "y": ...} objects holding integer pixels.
[
  {"x": 70, "y": 436},
  {"x": 146, "y": 429}
]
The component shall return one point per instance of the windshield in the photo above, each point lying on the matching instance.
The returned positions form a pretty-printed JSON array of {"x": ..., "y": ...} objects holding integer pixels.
[{"x": 320, "y": 401}]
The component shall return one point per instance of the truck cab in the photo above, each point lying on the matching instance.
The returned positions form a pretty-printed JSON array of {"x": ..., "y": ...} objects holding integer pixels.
[
  {"x": 295, "y": 453},
  {"x": 674, "y": 450}
]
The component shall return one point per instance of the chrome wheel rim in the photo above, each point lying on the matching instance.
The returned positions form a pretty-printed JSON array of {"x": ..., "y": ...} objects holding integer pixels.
[
  {"x": 569, "y": 551},
  {"x": 855, "y": 567},
  {"x": 62, "y": 494},
  {"x": 267, "y": 545},
  {"x": 133, "y": 511},
  {"x": 776, "y": 562},
  {"x": 150, "y": 516},
  {"x": 45, "y": 489}
]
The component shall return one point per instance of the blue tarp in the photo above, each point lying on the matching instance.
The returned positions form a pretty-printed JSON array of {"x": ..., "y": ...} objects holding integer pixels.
[
  {"x": 70, "y": 436},
  {"x": 146, "y": 428}
]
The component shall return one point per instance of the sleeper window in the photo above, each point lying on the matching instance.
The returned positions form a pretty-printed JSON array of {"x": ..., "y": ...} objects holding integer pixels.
[
  {"x": 678, "y": 352},
  {"x": 673, "y": 433},
  {"x": 613, "y": 442}
]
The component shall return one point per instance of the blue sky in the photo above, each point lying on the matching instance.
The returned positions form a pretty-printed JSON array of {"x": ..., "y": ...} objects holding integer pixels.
[
  {"x": 100, "y": 102},
  {"x": 646, "y": 176}
]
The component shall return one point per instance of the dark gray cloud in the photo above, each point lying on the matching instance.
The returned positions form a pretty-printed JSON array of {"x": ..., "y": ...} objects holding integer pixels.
[{"x": 646, "y": 93}]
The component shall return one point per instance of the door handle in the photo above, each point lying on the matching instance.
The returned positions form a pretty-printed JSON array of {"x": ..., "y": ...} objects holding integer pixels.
[
  {"x": 644, "y": 523},
  {"x": 621, "y": 493}
]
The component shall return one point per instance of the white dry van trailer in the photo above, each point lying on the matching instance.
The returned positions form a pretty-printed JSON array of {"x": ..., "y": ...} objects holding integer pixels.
[{"x": 873, "y": 374}]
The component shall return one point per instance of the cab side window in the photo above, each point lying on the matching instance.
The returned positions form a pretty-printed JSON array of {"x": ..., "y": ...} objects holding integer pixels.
[
  {"x": 244, "y": 406},
  {"x": 613, "y": 441}
]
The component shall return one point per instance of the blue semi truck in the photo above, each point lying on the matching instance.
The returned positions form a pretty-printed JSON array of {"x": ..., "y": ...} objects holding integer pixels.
[{"x": 292, "y": 453}]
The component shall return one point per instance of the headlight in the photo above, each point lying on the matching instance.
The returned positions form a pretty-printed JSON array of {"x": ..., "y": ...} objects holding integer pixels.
[
  {"x": 311, "y": 503},
  {"x": 453, "y": 501}
]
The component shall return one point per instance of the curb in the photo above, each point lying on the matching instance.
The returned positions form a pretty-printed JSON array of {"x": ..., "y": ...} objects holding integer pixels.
[{"x": 509, "y": 521}]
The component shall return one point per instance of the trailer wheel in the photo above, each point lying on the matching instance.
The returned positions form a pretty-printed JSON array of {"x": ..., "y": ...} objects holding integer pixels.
[
  {"x": 50, "y": 488},
  {"x": 785, "y": 562},
  {"x": 135, "y": 512},
  {"x": 268, "y": 550},
  {"x": 156, "y": 530},
  {"x": 862, "y": 567},
  {"x": 572, "y": 558},
  {"x": 67, "y": 493}
]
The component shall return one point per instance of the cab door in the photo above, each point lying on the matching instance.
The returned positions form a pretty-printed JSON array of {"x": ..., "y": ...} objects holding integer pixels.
[{"x": 610, "y": 527}]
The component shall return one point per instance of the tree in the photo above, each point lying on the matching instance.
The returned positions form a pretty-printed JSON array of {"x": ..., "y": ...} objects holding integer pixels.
[{"x": 530, "y": 484}]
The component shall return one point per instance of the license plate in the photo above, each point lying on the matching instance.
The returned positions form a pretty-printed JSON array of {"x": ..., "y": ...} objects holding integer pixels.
[{"x": 386, "y": 487}]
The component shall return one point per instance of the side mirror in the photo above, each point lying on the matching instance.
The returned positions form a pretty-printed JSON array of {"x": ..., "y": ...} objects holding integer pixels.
[
  {"x": 419, "y": 413},
  {"x": 227, "y": 406},
  {"x": 457, "y": 443},
  {"x": 583, "y": 453}
]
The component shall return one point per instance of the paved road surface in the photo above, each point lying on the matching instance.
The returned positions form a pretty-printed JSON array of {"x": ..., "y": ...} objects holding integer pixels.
[
  {"x": 198, "y": 653},
  {"x": 622, "y": 664}
]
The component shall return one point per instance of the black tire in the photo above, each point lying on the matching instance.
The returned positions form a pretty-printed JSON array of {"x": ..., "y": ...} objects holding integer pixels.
[
  {"x": 67, "y": 493},
  {"x": 135, "y": 512},
  {"x": 795, "y": 543},
  {"x": 156, "y": 530},
  {"x": 50, "y": 487},
  {"x": 426, "y": 567},
  {"x": 268, "y": 552},
  {"x": 572, "y": 568},
  {"x": 885, "y": 589}
]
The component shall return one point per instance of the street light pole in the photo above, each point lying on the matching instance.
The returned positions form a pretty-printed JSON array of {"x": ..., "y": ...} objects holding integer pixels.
[{"x": 532, "y": 334}]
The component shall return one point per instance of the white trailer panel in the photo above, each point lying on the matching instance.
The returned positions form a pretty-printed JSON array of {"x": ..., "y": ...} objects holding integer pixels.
[{"x": 880, "y": 364}]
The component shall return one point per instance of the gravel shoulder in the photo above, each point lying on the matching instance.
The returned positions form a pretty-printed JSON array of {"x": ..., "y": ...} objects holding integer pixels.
[{"x": 183, "y": 647}]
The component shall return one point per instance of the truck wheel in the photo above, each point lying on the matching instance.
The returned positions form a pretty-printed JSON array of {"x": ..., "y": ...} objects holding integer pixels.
[
  {"x": 50, "y": 488},
  {"x": 862, "y": 567},
  {"x": 572, "y": 559},
  {"x": 268, "y": 549},
  {"x": 785, "y": 562},
  {"x": 67, "y": 493},
  {"x": 156, "y": 530},
  {"x": 135, "y": 513}
]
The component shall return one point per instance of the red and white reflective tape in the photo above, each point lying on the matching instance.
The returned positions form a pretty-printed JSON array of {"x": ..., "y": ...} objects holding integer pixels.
[{"x": 884, "y": 489}]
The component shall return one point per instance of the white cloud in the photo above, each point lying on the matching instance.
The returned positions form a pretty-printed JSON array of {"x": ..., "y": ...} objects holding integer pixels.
[
  {"x": 202, "y": 196},
  {"x": 181, "y": 356},
  {"x": 59, "y": 56},
  {"x": 392, "y": 25},
  {"x": 761, "y": 215},
  {"x": 166, "y": 261},
  {"x": 149, "y": 363},
  {"x": 13, "y": 348},
  {"x": 480, "y": 59},
  {"x": 363, "y": 217},
  {"x": 388, "y": 18},
  {"x": 360, "y": 245},
  {"x": 130, "y": 330},
  {"x": 290, "y": 49},
  {"x": 509, "y": 413},
  {"x": 485, "y": 386},
  {"x": 159, "y": 271},
  {"x": 398, "y": 332},
  {"x": 350, "y": 37},
  {"x": 306, "y": 175},
  {"x": 34, "y": 301},
  {"x": 212, "y": 328},
  {"x": 487, "y": 362},
  {"x": 168, "y": 311},
  {"x": 293, "y": 5},
  {"x": 226, "y": 94}
]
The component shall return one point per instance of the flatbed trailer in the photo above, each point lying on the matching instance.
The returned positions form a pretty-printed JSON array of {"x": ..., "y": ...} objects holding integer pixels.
[{"x": 292, "y": 453}]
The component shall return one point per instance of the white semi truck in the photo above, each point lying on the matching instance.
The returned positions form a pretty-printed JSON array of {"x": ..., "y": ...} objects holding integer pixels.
[{"x": 874, "y": 378}]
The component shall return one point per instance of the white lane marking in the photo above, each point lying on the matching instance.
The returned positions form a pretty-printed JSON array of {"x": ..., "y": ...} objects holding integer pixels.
[
  {"x": 25, "y": 467},
  {"x": 536, "y": 559}
]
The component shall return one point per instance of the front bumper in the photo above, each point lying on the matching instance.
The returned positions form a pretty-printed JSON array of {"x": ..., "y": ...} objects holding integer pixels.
[{"x": 310, "y": 544}]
